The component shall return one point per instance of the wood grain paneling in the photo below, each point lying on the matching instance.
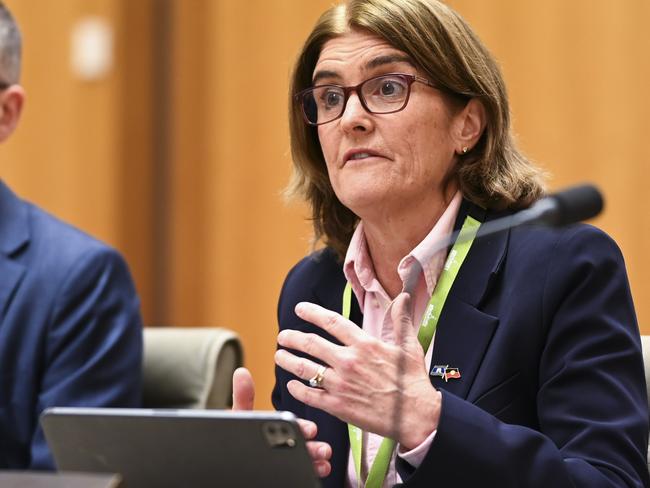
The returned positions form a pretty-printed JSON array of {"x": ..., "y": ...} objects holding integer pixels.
[
  {"x": 235, "y": 239},
  {"x": 135, "y": 145}
]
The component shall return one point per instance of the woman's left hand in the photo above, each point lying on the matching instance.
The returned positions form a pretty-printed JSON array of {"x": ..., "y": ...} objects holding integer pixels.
[{"x": 377, "y": 386}]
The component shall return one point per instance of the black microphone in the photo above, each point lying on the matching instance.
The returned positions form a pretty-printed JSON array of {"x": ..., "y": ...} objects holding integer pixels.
[{"x": 566, "y": 207}]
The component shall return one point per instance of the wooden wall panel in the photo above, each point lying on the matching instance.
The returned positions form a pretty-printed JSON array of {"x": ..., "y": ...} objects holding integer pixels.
[
  {"x": 189, "y": 183},
  {"x": 135, "y": 139},
  {"x": 256, "y": 239},
  {"x": 234, "y": 238}
]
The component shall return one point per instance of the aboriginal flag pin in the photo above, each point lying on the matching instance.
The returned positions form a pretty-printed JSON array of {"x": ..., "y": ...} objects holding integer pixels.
[{"x": 452, "y": 374}]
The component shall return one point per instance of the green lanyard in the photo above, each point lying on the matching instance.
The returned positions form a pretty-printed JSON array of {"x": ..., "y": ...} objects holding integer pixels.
[{"x": 428, "y": 326}]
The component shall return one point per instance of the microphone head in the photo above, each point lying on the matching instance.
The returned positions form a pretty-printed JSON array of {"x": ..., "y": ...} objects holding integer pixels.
[{"x": 575, "y": 204}]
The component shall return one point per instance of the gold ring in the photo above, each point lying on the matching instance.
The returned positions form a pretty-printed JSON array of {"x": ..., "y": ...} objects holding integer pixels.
[{"x": 317, "y": 380}]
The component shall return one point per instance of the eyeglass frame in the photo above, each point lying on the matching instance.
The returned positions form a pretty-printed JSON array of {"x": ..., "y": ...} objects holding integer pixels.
[{"x": 347, "y": 90}]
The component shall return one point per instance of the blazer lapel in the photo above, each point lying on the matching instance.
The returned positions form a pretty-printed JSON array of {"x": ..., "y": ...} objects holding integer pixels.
[
  {"x": 10, "y": 275},
  {"x": 14, "y": 235},
  {"x": 464, "y": 332}
]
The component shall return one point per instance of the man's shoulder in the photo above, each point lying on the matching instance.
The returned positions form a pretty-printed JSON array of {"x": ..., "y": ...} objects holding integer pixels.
[
  {"x": 60, "y": 241},
  {"x": 53, "y": 263},
  {"x": 54, "y": 231},
  {"x": 27, "y": 231},
  {"x": 56, "y": 247}
]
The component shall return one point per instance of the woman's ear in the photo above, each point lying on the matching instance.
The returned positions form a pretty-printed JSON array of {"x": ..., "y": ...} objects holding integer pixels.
[
  {"x": 12, "y": 99},
  {"x": 470, "y": 124}
]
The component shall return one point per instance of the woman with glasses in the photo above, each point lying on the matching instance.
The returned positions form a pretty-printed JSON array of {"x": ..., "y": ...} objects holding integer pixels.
[{"x": 510, "y": 360}]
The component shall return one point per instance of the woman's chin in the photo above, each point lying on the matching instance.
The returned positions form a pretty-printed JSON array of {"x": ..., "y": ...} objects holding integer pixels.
[{"x": 367, "y": 203}]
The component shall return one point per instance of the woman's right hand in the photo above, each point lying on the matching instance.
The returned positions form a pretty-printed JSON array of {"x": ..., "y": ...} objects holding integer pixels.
[{"x": 243, "y": 398}]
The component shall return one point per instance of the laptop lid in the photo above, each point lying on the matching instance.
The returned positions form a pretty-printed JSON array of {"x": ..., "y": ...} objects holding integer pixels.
[{"x": 181, "y": 448}]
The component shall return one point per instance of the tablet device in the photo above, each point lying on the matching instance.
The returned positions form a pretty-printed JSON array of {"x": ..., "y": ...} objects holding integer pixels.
[{"x": 181, "y": 448}]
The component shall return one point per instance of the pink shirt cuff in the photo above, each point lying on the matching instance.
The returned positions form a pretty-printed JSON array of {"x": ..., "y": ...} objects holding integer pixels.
[{"x": 415, "y": 456}]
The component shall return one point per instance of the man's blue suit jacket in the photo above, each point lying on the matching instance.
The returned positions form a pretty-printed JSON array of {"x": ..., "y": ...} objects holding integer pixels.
[
  {"x": 541, "y": 324},
  {"x": 70, "y": 328}
]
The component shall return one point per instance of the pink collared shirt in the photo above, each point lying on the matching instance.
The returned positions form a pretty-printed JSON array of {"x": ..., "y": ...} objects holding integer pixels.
[{"x": 375, "y": 304}]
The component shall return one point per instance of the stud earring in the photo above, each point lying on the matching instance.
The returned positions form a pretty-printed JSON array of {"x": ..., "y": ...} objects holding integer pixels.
[{"x": 465, "y": 149}]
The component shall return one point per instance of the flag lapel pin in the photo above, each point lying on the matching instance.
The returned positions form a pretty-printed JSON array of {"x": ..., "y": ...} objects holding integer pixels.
[
  {"x": 452, "y": 374},
  {"x": 445, "y": 372}
]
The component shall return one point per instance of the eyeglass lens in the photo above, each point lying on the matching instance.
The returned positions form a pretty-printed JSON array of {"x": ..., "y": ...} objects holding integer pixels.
[{"x": 383, "y": 94}]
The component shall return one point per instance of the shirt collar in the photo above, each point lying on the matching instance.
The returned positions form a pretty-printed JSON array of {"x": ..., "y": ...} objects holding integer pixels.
[{"x": 359, "y": 269}]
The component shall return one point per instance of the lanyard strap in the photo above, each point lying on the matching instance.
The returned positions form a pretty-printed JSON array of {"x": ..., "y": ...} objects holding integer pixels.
[{"x": 454, "y": 261}]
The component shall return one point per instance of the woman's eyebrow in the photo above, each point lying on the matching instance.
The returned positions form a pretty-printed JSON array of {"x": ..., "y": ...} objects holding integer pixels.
[
  {"x": 389, "y": 59},
  {"x": 319, "y": 75},
  {"x": 372, "y": 64}
]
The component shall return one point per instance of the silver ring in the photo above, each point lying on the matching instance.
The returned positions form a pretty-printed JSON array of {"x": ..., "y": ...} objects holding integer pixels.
[{"x": 317, "y": 380}]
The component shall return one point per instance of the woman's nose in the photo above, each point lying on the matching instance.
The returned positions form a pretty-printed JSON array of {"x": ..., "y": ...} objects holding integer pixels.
[{"x": 355, "y": 116}]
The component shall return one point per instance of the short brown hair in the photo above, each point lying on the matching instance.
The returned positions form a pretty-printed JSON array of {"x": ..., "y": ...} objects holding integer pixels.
[
  {"x": 10, "y": 47},
  {"x": 493, "y": 174}
]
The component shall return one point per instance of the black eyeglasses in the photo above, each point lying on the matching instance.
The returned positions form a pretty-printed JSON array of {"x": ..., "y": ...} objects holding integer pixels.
[{"x": 383, "y": 94}]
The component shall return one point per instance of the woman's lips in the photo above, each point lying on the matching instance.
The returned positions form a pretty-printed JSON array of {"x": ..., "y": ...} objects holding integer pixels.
[{"x": 360, "y": 154}]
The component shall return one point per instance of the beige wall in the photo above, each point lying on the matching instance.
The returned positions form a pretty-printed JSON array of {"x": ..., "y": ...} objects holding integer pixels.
[{"x": 577, "y": 72}]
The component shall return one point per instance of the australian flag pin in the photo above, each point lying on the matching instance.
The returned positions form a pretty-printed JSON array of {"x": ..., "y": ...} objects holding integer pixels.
[{"x": 445, "y": 372}]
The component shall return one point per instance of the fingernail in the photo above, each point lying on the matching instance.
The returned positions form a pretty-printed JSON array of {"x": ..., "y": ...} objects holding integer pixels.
[
  {"x": 281, "y": 336},
  {"x": 322, "y": 470},
  {"x": 277, "y": 355},
  {"x": 322, "y": 452}
]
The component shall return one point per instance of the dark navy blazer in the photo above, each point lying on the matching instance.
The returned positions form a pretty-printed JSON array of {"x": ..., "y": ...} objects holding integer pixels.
[
  {"x": 552, "y": 393},
  {"x": 70, "y": 327}
]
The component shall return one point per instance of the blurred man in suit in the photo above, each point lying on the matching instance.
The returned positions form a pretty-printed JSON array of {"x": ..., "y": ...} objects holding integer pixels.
[{"x": 70, "y": 327}]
